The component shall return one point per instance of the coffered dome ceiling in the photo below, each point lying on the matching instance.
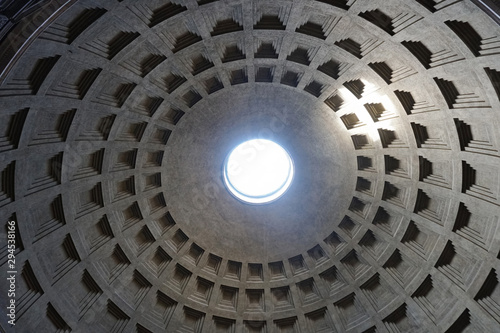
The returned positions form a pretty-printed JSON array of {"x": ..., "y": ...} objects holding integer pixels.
[{"x": 116, "y": 118}]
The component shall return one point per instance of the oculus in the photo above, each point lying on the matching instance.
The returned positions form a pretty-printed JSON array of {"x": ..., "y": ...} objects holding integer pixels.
[{"x": 258, "y": 171}]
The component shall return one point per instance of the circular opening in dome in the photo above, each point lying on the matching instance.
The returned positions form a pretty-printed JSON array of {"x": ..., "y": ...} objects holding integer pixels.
[{"x": 258, "y": 171}]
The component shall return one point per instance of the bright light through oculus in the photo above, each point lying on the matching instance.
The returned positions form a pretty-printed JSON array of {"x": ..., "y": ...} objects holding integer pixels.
[{"x": 258, "y": 171}]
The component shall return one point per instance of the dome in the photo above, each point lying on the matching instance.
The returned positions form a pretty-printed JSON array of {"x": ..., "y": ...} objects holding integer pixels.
[{"x": 116, "y": 121}]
